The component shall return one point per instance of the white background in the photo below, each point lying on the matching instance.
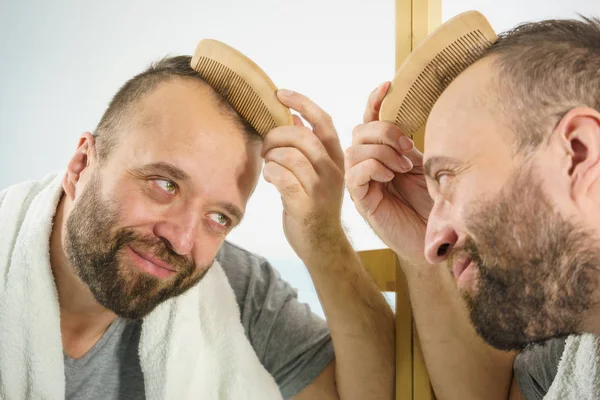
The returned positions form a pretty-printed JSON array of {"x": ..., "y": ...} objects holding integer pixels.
[{"x": 62, "y": 60}]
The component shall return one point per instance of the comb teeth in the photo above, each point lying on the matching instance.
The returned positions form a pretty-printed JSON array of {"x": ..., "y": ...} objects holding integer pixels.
[
  {"x": 436, "y": 77},
  {"x": 237, "y": 92}
]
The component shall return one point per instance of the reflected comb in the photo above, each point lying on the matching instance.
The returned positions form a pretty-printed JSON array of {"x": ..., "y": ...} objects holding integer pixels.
[
  {"x": 242, "y": 83},
  {"x": 431, "y": 67}
]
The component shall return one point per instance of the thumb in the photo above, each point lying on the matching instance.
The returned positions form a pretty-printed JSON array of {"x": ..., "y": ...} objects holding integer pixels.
[{"x": 374, "y": 103}]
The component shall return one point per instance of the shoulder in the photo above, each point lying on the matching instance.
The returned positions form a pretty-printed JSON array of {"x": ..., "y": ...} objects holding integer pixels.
[
  {"x": 16, "y": 201},
  {"x": 23, "y": 192},
  {"x": 250, "y": 275},
  {"x": 233, "y": 257},
  {"x": 241, "y": 266}
]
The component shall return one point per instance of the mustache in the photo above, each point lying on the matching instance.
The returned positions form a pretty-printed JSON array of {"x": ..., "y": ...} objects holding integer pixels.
[
  {"x": 470, "y": 249},
  {"x": 155, "y": 246}
]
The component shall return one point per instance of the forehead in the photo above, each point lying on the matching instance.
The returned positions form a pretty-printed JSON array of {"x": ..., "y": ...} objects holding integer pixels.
[
  {"x": 464, "y": 122},
  {"x": 181, "y": 108},
  {"x": 181, "y": 122}
]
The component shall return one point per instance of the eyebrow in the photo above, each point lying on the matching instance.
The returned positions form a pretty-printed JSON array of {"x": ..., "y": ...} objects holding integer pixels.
[
  {"x": 233, "y": 210},
  {"x": 164, "y": 168},
  {"x": 436, "y": 163}
]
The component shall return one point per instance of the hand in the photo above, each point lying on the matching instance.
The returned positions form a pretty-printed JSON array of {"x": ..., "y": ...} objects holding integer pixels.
[
  {"x": 386, "y": 182},
  {"x": 306, "y": 165}
]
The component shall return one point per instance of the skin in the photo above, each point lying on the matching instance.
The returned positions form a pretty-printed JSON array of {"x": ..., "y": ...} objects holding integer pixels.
[
  {"x": 470, "y": 163},
  {"x": 307, "y": 167},
  {"x": 470, "y": 159},
  {"x": 182, "y": 175},
  {"x": 187, "y": 132}
]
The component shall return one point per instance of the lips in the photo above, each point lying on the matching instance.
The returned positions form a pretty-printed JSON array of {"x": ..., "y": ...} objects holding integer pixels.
[
  {"x": 460, "y": 265},
  {"x": 151, "y": 264}
]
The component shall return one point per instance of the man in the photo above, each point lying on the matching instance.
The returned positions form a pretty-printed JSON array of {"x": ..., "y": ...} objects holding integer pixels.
[
  {"x": 506, "y": 197},
  {"x": 133, "y": 228}
]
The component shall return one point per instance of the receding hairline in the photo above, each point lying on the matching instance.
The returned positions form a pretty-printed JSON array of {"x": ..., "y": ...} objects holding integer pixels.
[
  {"x": 137, "y": 114},
  {"x": 127, "y": 99},
  {"x": 538, "y": 72},
  {"x": 541, "y": 71}
]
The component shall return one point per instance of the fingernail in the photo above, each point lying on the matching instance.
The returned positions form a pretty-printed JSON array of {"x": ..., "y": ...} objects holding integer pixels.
[
  {"x": 407, "y": 163},
  {"x": 405, "y": 143},
  {"x": 285, "y": 92}
]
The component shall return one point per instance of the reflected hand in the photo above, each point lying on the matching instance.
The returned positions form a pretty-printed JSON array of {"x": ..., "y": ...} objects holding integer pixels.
[{"x": 384, "y": 175}]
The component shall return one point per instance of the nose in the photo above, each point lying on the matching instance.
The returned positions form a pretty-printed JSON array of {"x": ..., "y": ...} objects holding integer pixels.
[
  {"x": 179, "y": 232},
  {"x": 440, "y": 238}
]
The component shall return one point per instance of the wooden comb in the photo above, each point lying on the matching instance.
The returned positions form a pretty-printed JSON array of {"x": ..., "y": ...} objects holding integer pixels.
[
  {"x": 431, "y": 67},
  {"x": 242, "y": 83}
]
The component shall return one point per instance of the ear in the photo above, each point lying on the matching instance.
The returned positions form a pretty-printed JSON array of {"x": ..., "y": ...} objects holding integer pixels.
[
  {"x": 83, "y": 159},
  {"x": 579, "y": 133}
]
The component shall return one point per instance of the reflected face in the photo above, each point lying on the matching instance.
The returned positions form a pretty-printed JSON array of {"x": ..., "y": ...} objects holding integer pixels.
[
  {"x": 534, "y": 270},
  {"x": 524, "y": 269},
  {"x": 147, "y": 223}
]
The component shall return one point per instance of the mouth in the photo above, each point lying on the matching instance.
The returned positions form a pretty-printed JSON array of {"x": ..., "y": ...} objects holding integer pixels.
[
  {"x": 460, "y": 265},
  {"x": 152, "y": 265}
]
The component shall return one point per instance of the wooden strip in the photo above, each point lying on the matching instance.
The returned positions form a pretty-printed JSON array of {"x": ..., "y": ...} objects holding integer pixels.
[
  {"x": 426, "y": 17},
  {"x": 404, "y": 377},
  {"x": 404, "y": 347},
  {"x": 381, "y": 266},
  {"x": 403, "y": 30}
]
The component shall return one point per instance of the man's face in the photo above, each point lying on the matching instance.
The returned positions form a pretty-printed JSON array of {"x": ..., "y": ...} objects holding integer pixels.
[
  {"x": 147, "y": 224},
  {"x": 524, "y": 269}
]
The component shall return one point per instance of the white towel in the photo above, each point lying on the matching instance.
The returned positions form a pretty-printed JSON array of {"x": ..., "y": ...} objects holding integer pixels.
[
  {"x": 191, "y": 347},
  {"x": 578, "y": 375}
]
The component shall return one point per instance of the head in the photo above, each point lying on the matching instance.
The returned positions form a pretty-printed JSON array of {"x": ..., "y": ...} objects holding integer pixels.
[
  {"x": 512, "y": 159},
  {"x": 152, "y": 194}
]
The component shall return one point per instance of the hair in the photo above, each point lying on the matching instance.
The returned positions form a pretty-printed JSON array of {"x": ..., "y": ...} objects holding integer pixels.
[
  {"x": 122, "y": 105},
  {"x": 546, "y": 69}
]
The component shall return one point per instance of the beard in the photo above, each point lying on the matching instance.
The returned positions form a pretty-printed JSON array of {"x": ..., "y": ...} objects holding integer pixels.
[
  {"x": 96, "y": 251},
  {"x": 536, "y": 270}
]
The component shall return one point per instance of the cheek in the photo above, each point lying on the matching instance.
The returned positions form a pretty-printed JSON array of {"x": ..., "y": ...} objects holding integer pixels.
[
  {"x": 476, "y": 188},
  {"x": 135, "y": 209},
  {"x": 468, "y": 200}
]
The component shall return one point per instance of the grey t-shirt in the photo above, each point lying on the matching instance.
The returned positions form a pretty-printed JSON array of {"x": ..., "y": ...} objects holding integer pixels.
[
  {"x": 292, "y": 343},
  {"x": 535, "y": 368}
]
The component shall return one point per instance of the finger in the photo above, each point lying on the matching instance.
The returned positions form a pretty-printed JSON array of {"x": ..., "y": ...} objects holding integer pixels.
[
  {"x": 362, "y": 174},
  {"x": 284, "y": 180},
  {"x": 386, "y": 155},
  {"x": 382, "y": 132},
  {"x": 295, "y": 162},
  {"x": 297, "y": 120},
  {"x": 374, "y": 102},
  {"x": 303, "y": 139},
  {"x": 319, "y": 119}
]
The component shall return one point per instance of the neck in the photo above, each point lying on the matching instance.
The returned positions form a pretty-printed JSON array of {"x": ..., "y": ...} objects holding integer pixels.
[
  {"x": 591, "y": 323},
  {"x": 81, "y": 315}
]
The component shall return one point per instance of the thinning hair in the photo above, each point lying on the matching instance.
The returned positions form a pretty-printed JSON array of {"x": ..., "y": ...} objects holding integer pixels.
[
  {"x": 545, "y": 69},
  {"x": 121, "y": 108}
]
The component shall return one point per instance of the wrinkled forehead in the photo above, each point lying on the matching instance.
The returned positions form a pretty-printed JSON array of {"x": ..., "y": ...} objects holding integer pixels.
[
  {"x": 181, "y": 123},
  {"x": 465, "y": 116}
]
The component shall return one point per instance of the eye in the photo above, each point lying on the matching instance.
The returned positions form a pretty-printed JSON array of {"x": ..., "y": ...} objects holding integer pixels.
[
  {"x": 220, "y": 219},
  {"x": 441, "y": 177},
  {"x": 167, "y": 186}
]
